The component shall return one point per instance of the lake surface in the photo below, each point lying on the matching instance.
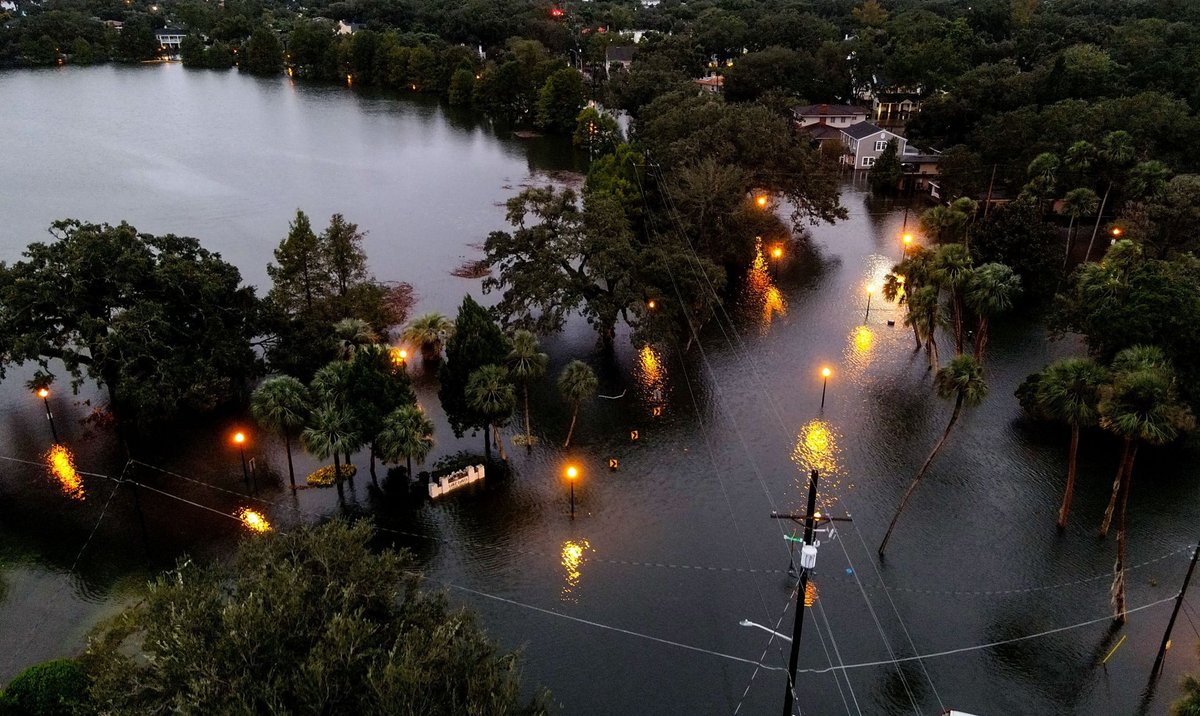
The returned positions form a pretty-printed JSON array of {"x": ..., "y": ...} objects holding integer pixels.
[{"x": 634, "y": 606}]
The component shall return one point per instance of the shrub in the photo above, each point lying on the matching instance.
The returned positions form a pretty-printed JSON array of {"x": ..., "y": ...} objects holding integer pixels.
[
  {"x": 53, "y": 688},
  {"x": 323, "y": 477}
]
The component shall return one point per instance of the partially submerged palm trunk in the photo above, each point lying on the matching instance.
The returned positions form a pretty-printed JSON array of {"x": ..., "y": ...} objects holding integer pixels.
[
  {"x": 499, "y": 439},
  {"x": 1069, "y": 492},
  {"x": 337, "y": 476},
  {"x": 958, "y": 402},
  {"x": 958, "y": 322},
  {"x": 528, "y": 438},
  {"x": 487, "y": 444},
  {"x": 571, "y": 431},
  {"x": 1118, "y": 585},
  {"x": 1127, "y": 456},
  {"x": 287, "y": 446},
  {"x": 981, "y": 338},
  {"x": 373, "y": 478},
  {"x": 931, "y": 350}
]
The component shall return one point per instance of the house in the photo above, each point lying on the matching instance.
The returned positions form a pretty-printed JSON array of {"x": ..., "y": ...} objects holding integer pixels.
[
  {"x": 891, "y": 104},
  {"x": 348, "y": 28},
  {"x": 834, "y": 115},
  {"x": 920, "y": 169},
  {"x": 169, "y": 38},
  {"x": 822, "y": 133},
  {"x": 619, "y": 55},
  {"x": 712, "y": 83},
  {"x": 865, "y": 142}
]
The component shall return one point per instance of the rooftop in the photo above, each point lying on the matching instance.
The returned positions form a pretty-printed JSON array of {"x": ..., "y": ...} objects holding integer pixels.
[
  {"x": 619, "y": 53},
  {"x": 864, "y": 129},
  {"x": 827, "y": 110}
]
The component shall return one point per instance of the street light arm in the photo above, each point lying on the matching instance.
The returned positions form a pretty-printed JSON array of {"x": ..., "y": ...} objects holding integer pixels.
[{"x": 748, "y": 623}]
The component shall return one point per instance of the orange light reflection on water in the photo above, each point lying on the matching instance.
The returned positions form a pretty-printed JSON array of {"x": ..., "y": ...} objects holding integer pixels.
[
  {"x": 62, "y": 467},
  {"x": 253, "y": 521},
  {"x": 760, "y": 293},
  {"x": 651, "y": 379},
  {"x": 574, "y": 554},
  {"x": 818, "y": 448}
]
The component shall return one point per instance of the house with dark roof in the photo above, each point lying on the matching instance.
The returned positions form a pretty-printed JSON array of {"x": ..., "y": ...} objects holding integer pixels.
[
  {"x": 619, "y": 55},
  {"x": 834, "y": 115},
  {"x": 865, "y": 142},
  {"x": 712, "y": 83}
]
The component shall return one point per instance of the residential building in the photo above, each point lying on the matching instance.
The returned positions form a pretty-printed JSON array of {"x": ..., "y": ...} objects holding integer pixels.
[
  {"x": 865, "y": 142},
  {"x": 891, "y": 104},
  {"x": 618, "y": 55},
  {"x": 712, "y": 83},
  {"x": 348, "y": 28},
  {"x": 834, "y": 115},
  {"x": 920, "y": 169},
  {"x": 169, "y": 39}
]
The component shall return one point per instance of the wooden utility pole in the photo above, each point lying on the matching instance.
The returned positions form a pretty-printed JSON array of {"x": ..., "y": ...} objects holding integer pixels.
[
  {"x": 1156, "y": 671},
  {"x": 807, "y": 561}
]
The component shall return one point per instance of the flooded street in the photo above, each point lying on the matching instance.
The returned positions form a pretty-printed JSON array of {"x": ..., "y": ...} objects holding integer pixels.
[{"x": 634, "y": 605}]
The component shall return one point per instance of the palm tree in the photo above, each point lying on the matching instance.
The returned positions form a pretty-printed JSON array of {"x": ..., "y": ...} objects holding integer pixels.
[
  {"x": 1076, "y": 204},
  {"x": 961, "y": 379},
  {"x": 349, "y": 334},
  {"x": 991, "y": 290},
  {"x": 490, "y": 393},
  {"x": 1148, "y": 179},
  {"x": 905, "y": 278},
  {"x": 429, "y": 331},
  {"x": 330, "y": 432},
  {"x": 944, "y": 223},
  {"x": 1142, "y": 406},
  {"x": 332, "y": 384},
  {"x": 1189, "y": 703},
  {"x": 281, "y": 404},
  {"x": 1043, "y": 176},
  {"x": 526, "y": 364},
  {"x": 925, "y": 316},
  {"x": 408, "y": 433},
  {"x": 1069, "y": 391},
  {"x": 577, "y": 383},
  {"x": 1115, "y": 155},
  {"x": 952, "y": 271}
]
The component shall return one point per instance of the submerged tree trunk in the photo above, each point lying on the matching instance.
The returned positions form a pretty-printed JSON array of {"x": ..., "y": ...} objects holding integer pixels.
[
  {"x": 981, "y": 337},
  {"x": 499, "y": 439},
  {"x": 287, "y": 446},
  {"x": 1065, "y": 508},
  {"x": 571, "y": 430},
  {"x": 958, "y": 402},
  {"x": 931, "y": 350},
  {"x": 956, "y": 302},
  {"x": 528, "y": 438},
  {"x": 1118, "y": 586},
  {"x": 916, "y": 336},
  {"x": 1088, "y": 256},
  {"x": 408, "y": 458},
  {"x": 337, "y": 476},
  {"x": 1126, "y": 463},
  {"x": 374, "y": 479}
]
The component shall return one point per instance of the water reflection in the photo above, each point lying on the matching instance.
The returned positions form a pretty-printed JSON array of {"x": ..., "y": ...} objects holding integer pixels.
[
  {"x": 650, "y": 374},
  {"x": 573, "y": 557},
  {"x": 818, "y": 448},
  {"x": 62, "y": 468},
  {"x": 760, "y": 295},
  {"x": 254, "y": 521}
]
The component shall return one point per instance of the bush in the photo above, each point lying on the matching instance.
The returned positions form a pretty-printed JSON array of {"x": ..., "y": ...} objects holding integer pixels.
[
  {"x": 323, "y": 477},
  {"x": 54, "y": 688}
]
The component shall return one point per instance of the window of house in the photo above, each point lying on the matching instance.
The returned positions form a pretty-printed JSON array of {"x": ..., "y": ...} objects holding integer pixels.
[
  {"x": 868, "y": 161},
  {"x": 880, "y": 145}
]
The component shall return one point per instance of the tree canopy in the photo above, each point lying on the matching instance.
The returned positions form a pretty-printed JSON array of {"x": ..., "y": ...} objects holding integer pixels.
[
  {"x": 161, "y": 323},
  {"x": 311, "y": 621}
]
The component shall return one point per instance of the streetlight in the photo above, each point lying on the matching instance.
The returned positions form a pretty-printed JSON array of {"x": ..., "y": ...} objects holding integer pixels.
[
  {"x": 1116, "y": 233},
  {"x": 572, "y": 473},
  {"x": 748, "y": 623},
  {"x": 239, "y": 439},
  {"x": 651, "y": 304},
  {"x": 825, "y": 373},
  {"x": 761, "y": 200},
  {"x": 44, "y": 394},
  {"x": 870, "y": 292},
  {"x": 907, "y": 239}
]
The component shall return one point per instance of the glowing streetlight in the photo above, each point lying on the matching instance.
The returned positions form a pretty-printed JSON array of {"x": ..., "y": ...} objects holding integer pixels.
[
  {"x": 239, "y": 439},
  {"x": 906, "y": 240},
  {"x": 870, "y": 293},
  {"x": 825, "y": 373},
  {"x": 651, "y": 304},
  {"x": 572, "y": 474},
  {"x": 777, "y": 253},
  {"x": 761, "y": 200},
  {"x": 44, "y": 394}
]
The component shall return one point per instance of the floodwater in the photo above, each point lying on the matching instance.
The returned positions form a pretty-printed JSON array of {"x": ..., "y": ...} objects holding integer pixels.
[{"x": 634, "y": 605}]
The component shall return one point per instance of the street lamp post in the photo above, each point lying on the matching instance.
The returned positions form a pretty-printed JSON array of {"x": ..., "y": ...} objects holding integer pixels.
[
  {"x": 776, "y": 257},
  {"x": 572, "y": 473},
  {"x": 825, "y": 373},
  {"x": 44, "y": 394},
  {"x": 867, "y": 315},
  {"x": 239, "y": 439},
  {"x": 905, "y": 241}
]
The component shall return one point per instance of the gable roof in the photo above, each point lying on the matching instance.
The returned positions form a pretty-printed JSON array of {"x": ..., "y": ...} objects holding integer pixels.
[
  {"x": 827, "y": 110},
  {"x": 822, "y": 131},
  {"x": 864, "y": 129}
]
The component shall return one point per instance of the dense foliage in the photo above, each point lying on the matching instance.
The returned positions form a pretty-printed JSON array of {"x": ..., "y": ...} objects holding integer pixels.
[{"x": 311, "y": 621}]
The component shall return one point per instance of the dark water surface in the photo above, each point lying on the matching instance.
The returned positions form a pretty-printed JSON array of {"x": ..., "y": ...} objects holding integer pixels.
[{"x": 633, "y": 606}]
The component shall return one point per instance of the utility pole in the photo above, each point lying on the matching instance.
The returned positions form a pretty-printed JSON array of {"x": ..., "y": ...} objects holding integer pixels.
[
  {"x": 1156, "y": 671},
  {"x": 987, "y": 204},
  {"x": 808, "y": 560}
]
